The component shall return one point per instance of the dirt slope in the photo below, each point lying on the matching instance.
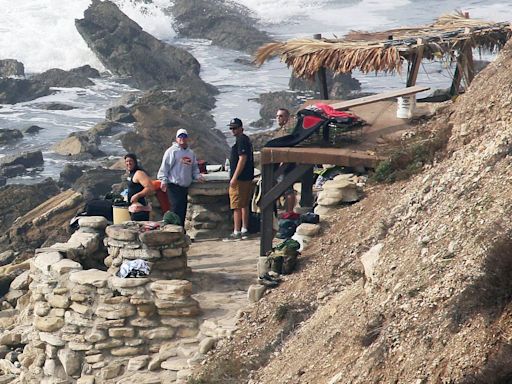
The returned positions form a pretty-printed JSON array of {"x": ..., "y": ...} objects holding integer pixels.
[{"x": 437, "y": 309}]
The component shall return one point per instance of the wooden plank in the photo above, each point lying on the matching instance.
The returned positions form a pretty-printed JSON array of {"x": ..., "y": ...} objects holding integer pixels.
[
  {"x": 266, "y": 229},
  {"x": 273, "y": 194},
  {"x": 379, "y": 97},
  {"x": 310, "y": 155}
]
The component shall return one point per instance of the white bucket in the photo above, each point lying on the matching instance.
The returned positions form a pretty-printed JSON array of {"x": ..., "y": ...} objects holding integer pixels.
[
  {"x": 120, "y": 214},
  {"x": 405, "y": 106}
]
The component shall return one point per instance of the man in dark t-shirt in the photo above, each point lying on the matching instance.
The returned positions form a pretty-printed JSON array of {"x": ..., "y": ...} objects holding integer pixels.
[{"x": 240, "y": 180}]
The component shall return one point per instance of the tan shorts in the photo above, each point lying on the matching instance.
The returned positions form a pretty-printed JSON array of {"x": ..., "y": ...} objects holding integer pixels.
[{"x": 239, "y": 196}]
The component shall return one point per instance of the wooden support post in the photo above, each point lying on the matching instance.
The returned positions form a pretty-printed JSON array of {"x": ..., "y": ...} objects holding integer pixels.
[
  {"x": 324, "y": 91},
  {"x": 457, "y": 77},
  {"x": 415, "y": 65},
  {"x": 266, "y": 229},
  {"x": 270, "y": 195},
  {"x": 306, "y": 192}
]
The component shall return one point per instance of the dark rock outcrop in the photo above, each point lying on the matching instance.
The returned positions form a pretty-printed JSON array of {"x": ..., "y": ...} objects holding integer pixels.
[
  {"x": 33, "y": 129},
  {"x": 160, "y": 114},
  {"x": 71, "y": 173},
  {"x": 16, "y": 199},
  {"x": 14, "y": 91},
  {"x": 86, "y": 71},
  {"x": 128, "y": 51},
  {"x": 3, "y": 181},
  {"x": 119, "y": 114},
  {"x": 56, "y": 77},
  {"x": 224, "y": 23},
  {"x": 105, "y": 128},
  {"x": 11, "y": 67},
  {"x": 97, "y": 182},
  {"x": 271, "y": 101},
  {"x": 55, "y": 106},
  {"x": 79, "y": 145},
  {"x": 8, "y": 135},
  {"x": 340, "y": 86},
  {"x": 27, "y": 159}
]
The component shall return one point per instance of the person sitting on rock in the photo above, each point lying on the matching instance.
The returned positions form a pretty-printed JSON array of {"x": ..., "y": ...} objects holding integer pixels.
[{"x": 139, "y": 188}]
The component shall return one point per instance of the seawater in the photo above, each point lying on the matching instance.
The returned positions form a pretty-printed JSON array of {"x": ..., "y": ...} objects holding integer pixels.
[{"x": 42, "y": 34}]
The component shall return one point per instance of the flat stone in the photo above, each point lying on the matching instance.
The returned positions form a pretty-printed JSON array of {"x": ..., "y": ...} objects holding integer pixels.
[
  {"x": 109, "y": 242},
  {"x": 146, "y": 310},
  {"x": 143, "y": 323},
  {"x": 74, "y": 318},
  {"x": 111, "y": 371},
  {"x": 121, "y": 332},
  {"x": 44, "y": 261},
  {"x": 58, "y": 301},
  {"x": 86, "y": 379},
  {"x": 65, "y": 266},
  {"x": 106, "y": 324},
  {"x": 95, "y": 222},
  {"x": 144, "y": 254},
  {"x": 171, "y": 289},
  {"x": 93, "y": 359},
  {"x": 174, "y": 364},
  {"x": 126, "y": 351},
  {"x": 165, "y": 304},
  {"x": 137, "y": 363},
  {"x": 96, "y": 335},
  {"x": 74, "y": 346},
  {"x": 21, "y": 282},
  {"x": 89, "y": 241},
  {"x": 10, "y": 339},
  {"x": 157, "y": 333},
  {"x": 92, "y": 277},
  {"x": 255, "y": 292},
  {"x": 48, "y": 323},
  {"x": 172, "y": 252},
  {"x": 52, "y": 339},
  {"x": 180, "y": 312},
  {"x": 120, "y": 232},
  {"x": 306, "y": 229},
  {"x": 158, "y": 238},
  {"x": 134, "y": 342},
  {"x": 115, "y": 311},
  {"x": 81, "y": 309},
  {"x": 114, "y": 343},
  {"x": 119, "y": 282},
  {"x": 73, "y": 338}
]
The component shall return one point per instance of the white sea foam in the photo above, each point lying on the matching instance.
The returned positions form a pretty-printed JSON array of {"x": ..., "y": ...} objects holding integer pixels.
[{"x": 42, "y": 33}]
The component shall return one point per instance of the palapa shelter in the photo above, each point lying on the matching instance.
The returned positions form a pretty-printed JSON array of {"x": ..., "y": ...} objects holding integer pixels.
[{"x": 451, "y": 37}]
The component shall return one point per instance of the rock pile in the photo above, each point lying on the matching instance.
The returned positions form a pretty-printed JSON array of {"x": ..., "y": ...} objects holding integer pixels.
[
  {"x": 208, "y": 214},
  {"x": 165, "y": 249},
  {"x": 65, "y": 324},
  {"x": 342, "y": 189}
]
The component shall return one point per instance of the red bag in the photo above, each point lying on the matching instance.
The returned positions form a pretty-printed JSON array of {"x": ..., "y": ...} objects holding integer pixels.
[{"x": 289, "y": 216}]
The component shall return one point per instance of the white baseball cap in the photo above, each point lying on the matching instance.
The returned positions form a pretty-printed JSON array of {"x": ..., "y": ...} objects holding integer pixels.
[{"x": 181, "y": 131}]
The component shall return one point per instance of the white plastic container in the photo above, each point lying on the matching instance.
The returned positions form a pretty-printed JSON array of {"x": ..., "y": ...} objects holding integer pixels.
[{"x": 405, "y": 106}]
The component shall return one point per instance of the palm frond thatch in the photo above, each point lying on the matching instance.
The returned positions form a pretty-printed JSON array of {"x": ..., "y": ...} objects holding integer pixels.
[{"x": 386, "y": 51}]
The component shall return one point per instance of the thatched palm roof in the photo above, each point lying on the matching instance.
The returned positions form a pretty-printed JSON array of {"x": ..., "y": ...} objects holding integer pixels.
[{"x": 386, "y": 51}]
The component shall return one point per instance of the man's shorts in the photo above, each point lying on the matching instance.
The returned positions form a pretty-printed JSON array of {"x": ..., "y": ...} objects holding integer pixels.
[{"x": 240, "y": 195}]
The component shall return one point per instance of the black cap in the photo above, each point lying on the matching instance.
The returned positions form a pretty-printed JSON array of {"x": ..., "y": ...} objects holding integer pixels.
[{"x": 236, "y": 122}]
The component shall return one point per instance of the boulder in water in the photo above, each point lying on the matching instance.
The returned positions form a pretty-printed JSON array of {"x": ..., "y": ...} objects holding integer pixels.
[
  {"x": 86, "y": 71},
  {"x": 8, "y": 135},
  {"x": 79, "y": 145},
  {"x": 11, "y": 68},
  {"x": 56, "y": 77},
  {"x": 14, "y": 91},
  {"x": 32, "y": 129},
  {"x": 27, "y": 159},
  {"x": 224, "y": 23},
  {"x": 128, "y": 51},
  {"x": 97, "y": 182},
  {"x": 119, "y": 114}
]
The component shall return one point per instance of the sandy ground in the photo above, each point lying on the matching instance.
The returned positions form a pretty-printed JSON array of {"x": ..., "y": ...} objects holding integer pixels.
[{"x": 221, "y": 275}]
